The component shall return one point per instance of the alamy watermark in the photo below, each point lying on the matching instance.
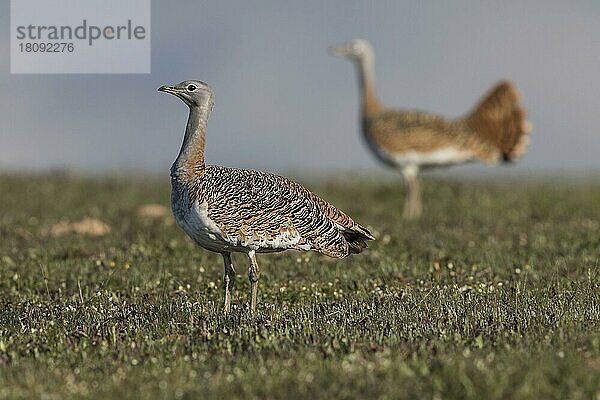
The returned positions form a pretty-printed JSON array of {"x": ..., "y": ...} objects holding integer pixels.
[{"x": 80, "y": 36}]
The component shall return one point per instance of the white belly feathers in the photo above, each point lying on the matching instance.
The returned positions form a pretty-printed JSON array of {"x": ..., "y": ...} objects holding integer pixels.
[
  {"x": 439, "y": 157},
  {"x": 195, "y": 222},
  {"x": 445, "y": 156}
]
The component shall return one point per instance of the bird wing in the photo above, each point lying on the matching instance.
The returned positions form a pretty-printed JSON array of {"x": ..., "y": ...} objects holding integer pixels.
[
  {"x": 402, "y": 131},
  {"x": 403, "y": 121},
  {"x": 270, "y": 211}
]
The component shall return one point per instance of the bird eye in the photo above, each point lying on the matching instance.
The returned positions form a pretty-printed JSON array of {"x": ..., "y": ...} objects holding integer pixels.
[{"x": 191, "y": 88}]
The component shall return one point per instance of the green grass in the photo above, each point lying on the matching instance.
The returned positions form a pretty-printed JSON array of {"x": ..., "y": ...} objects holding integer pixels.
[{"x": 494, "y": 294}]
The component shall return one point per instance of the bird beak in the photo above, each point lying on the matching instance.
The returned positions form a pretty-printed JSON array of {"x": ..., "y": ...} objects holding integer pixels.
[
  {"x": 338, "y": 50},
  {"x": 167, "y": 89}
]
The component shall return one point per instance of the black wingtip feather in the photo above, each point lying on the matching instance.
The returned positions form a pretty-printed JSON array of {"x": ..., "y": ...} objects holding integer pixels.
[{"x": 357, "y": 239}]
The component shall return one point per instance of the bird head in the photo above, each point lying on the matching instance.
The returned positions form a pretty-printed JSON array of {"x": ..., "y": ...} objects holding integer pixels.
[
  {"x": 356, "y": 49},
  {"x": 193, "y": 93}
]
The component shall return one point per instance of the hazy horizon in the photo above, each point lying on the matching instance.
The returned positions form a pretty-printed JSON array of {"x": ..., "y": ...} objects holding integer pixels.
[{"x": 284, "y": 104}]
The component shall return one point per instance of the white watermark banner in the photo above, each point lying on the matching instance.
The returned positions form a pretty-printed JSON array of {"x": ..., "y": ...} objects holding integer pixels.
[{"x": 80, "y": 36}]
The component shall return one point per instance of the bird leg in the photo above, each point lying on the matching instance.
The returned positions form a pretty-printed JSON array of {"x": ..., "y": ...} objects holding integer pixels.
[
  {"x": 412, "y": 205},
  {"x": 253, "y": 275},
  {"x": 228, "y": 280}
]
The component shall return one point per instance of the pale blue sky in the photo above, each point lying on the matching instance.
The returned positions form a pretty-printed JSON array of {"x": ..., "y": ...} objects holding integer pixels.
[{"x": 282, "y": 103}]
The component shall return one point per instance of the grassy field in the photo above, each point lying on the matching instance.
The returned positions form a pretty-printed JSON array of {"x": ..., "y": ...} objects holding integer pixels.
[{"x": 494, "y": 294}]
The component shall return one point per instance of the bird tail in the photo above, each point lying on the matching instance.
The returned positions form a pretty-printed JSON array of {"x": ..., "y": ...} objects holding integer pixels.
[
  {"x": 357, "y": 239},
  {"x": 500, "y": 120}
]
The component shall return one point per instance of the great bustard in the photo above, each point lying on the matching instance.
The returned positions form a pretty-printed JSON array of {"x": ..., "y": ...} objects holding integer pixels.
[
  {"x": 229, "y": 210},
  {"x": 497, "y": 128}
]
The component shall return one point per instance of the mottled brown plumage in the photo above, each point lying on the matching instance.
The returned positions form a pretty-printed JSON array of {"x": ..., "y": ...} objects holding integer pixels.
[
  {"x": 500, "y": 121},
  {"x": 412, "y": 140},
  {"x": 229, "y": 210},
  {"x": 253, "y": 210}
]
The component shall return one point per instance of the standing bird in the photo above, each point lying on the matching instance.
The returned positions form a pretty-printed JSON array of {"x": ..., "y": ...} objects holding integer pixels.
[
  {"x": 496, "y": 129},
  {"x": 229, "y": 210}
]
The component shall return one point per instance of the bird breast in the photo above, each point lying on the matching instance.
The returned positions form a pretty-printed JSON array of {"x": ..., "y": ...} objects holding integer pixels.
[{"x": 193, "y": 219}]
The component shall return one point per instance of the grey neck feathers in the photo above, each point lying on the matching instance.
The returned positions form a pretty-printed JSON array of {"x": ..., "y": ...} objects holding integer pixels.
[
  {"x": 366, "y": 71},
  {"x": 366, "y": 76},
  {"x": 191, "y": 154}
]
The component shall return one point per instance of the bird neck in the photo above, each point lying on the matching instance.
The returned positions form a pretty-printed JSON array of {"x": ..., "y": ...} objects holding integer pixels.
[
  {"x": 366, "y": 73},
  {"x": 190, "y": 161}
]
